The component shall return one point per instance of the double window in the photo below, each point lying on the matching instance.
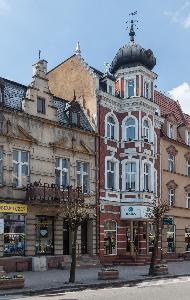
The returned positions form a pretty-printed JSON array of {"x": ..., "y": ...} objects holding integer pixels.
[
  {"x": 130, "y": 129},
  {"x": 83, "y": 176},
  {"x": 111, "y": 173},
  {"x": 171, "y": 163},
  {"x": 62, "y": 172},
  {"x": 171, "y": 197},
  {"x": 20, "y": 168},
  {"x": 111, "y": 128},
  {"x": 130, "y": 176}
]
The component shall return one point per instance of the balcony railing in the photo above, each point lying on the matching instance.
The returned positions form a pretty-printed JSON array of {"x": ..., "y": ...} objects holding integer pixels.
[{"x": 49, "y": 193}]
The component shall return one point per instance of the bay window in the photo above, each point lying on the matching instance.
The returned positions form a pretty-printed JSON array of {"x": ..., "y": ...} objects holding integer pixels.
[
  {"x": 111, "y": 174},
  {"x": 20, "y": 168},
  {"x": 130, "y": 176},
  {"x": 83, "y": 176},
  {"x": 130, "y": 129},
  {"x": 130, "y": 87},
  {"x": 62, "y": 172}
]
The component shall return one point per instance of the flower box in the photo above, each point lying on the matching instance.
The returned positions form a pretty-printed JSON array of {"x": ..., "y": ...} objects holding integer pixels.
[
  {"x": 160, "y": 269},
  {"x": 16, "y": 282},
  {"x": 108, "y": 274}
]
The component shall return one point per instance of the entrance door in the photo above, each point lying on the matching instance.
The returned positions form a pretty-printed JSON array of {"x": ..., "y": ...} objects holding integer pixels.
[
  {"x": 66, "y": 240},
  {"x": 84, "y": 249},
  {"x": 128, "y": 238},
  {"x": 136, "y": 237}
]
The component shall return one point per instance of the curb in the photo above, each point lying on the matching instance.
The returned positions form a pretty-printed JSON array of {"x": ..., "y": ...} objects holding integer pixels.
[{"x": 80, "y": 287}]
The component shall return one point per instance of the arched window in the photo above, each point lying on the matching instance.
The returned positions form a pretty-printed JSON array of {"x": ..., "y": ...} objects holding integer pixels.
[
  {"x": 146, "y": 130},
  {"x": 130, "y": 129},
  {"x": 111, "y": 127},
  {"x": 110, "y": 237}
]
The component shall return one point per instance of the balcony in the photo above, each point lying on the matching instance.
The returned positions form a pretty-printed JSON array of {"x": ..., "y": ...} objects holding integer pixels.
[{"x": 51, "y": 194}]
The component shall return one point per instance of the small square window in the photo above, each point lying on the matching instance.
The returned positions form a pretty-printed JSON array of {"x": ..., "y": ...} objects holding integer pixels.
[{"x": 41, "y": 105}]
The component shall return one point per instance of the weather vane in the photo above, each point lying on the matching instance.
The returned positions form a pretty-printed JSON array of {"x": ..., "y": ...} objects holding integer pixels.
[{"x": 133, "y": 25}]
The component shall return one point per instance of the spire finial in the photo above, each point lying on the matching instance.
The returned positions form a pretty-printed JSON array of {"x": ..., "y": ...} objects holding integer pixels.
[
  {"x": 39, "y": 54},
  {"x": 132, "y": 26},
  {"x": 77, "y": 51}
]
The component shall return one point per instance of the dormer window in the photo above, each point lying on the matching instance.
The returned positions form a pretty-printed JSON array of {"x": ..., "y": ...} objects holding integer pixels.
[
  {"x": 41, "y": 106},
  {"x": 171, "y": 131},
  {"x": 146, "y": 90},
  {"x": 130, "y": 88}
]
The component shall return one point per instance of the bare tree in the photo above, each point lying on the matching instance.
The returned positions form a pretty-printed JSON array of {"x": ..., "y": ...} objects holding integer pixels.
[
  {"x": 156, "y": 214},
  {"x": 75, "y": 211}
]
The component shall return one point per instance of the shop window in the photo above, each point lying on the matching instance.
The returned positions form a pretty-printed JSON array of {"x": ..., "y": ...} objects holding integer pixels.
[
  {"x": 14, "y": 234},
  {"x": 146, "y": 130},
  {"x": 41, "y": 106},
  {"x": 110, "y": 238},
  {"x": 44, "y": 235},
  {"x": 1, "y": 165},
  {"x": 187, "y": 238},
  {"x": 130, "y": 176},
  {"x": 62, "y": 172},
  {"x": 130, "y": 88},
  {"x": 130, "y": 128},
  {"x": 20, "y": 168},
  {"x": 147, "y": 177},
  {"x": 111, "y": 128},
  {"x": 188, "y": 199},
  {"x": 151, "y": 232},
  {"x": 188, "y": 167},
  {"x": 111, "y": 167},
  {"x": 170, "y": 234},
  {"x": 171, "y": 197},
  {"x": 83, "y": 176},
  {"x": 171, "y": 163}
]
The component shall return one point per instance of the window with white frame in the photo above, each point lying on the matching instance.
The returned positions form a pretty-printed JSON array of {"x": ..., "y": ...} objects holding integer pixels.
[
  {"x": 188, "y": 138},
  {"x": 130, "y": 87},
  {"x": 111, "y": 127},
  {"x": 146, "y": 90},
  {"x": 111, "y": 174},
  {"x": 1, "y": 165},
  {"x": 147, "y": 177},
  {"x": 130, "y": 129},
  {"x": 146, "y": 130},
  {"x": 188, "y": 199},
  {"x": 171, "y": 163},
  {"x": 171, "y": 197},
  {"x": 130, "y": 176},
  {"x": 110, "y": 237},
  {"x": 188, "y": 167},
  {"x": 83, "y": 176},
  {"x": 62, "y": 172},
  {"x": 20, "y": 168},
  {"x": 171, "y": 131}
]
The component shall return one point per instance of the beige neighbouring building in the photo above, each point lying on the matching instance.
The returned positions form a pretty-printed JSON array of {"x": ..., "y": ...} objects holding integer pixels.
[{"x": 46, "y": 144}]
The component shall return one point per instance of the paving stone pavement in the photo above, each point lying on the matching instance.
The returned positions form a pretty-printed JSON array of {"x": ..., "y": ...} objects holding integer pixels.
[{"x": 56, "y": 278}]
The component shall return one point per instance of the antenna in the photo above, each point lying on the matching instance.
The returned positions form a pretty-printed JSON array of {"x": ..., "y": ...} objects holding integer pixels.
[{"x": 133, "y": 25}]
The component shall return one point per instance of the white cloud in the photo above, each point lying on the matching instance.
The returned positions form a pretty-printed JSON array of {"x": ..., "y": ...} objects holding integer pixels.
[
  {"x": 180, "y": 16},
  {"x": 182, "y": 94},
  {"x": 4, "y": 7}
]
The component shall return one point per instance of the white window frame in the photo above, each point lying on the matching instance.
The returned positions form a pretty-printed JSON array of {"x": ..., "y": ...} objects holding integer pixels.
[
  {"x": 188, "y": 138},
  {"x": 188, "y": 200},
  {"x": 113, "y": 172},
  {"x": 116, "y": 178},
  {"x": 151, "y": 175},
  {"x": 130, "y": 175},
  {"x": 116, "y": 126},
  {"x": 146, "y": 95},
  {"x": 150, "y": 131},
  {"x": 127, "y": 89},
  {"x": 62, "y": 170},
  {"x": 112, "y": 230},
  {"x": 83, "y": 173},
  {"x": 124, "y": 135},
  {"x": 20, "y": 164},
  {"x": 171, "y": 161},
  {"x": 188, "y": 167},
  {"x": 171, "y": 131},
  {"x": 171, "y": 194}
]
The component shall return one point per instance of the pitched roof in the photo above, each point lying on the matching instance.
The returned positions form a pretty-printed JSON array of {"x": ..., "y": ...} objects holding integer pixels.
[{"x": 168, "y": 106}]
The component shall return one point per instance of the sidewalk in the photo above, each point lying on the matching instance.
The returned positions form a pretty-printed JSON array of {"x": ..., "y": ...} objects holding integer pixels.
[{"x": 36, "y": 282}]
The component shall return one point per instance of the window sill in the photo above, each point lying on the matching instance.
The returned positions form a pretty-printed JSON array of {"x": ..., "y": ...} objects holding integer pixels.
[{"x": 19, "y": 188}]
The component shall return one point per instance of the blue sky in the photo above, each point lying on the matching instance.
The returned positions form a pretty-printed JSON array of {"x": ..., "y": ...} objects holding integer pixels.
[{"x": 54, "y": 26}]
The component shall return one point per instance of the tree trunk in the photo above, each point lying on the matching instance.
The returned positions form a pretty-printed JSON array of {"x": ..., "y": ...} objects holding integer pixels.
[
  {"x": 73, "y": 257},
  {"x": 154, "y": 250}
]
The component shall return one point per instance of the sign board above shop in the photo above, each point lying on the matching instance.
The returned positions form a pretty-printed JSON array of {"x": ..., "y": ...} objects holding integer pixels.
[
  {"x": 135, "y": 212},
  {"x": 13, "y": 208}
]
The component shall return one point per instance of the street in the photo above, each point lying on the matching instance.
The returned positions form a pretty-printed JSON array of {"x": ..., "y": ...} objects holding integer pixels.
[{"x": 175, "y": 289}]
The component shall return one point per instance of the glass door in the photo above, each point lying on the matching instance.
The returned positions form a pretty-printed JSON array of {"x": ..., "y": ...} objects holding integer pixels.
[{"x": 136, "y": 237}]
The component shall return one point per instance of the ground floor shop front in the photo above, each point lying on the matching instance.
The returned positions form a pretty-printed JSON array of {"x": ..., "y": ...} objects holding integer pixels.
[
  {"x": 28, "y": 231},
  {"x": 132, "y": 240}
]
